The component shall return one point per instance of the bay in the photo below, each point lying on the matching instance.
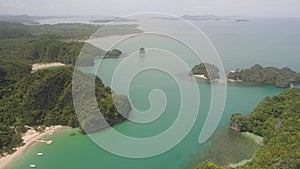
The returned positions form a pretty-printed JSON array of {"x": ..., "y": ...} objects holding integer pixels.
[{"x": 270, "y": 42}]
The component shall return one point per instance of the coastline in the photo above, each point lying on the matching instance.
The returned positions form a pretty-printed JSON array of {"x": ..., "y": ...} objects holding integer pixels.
[
  {"x": 233, "y": 81},
  {"x": 200, "y": 76},
  {"x": 39, "y": 66},
  {"x": 29, "y": 138},
  {"x": 243, "y": 162},
  {"x": 255, "y": 138}
]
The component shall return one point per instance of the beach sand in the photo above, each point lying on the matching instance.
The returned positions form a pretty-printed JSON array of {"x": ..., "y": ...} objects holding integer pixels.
[
  {"x": 28, "y": 138},
  {"x": 257, "y": 139},
  {"x": 233, "y": 81},
  {"x": 200, "y": 76},
  {"x": 38, "y": 66}
]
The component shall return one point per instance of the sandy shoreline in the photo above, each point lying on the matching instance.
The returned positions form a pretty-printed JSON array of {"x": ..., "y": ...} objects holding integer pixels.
[
  {"x": 28, "y": 138},
  {"x": 257, "y": 139},
  {"x": 233, "y": 81},
  {"x": 201, "y": 76},
  {"x": 38, "y": 66}
]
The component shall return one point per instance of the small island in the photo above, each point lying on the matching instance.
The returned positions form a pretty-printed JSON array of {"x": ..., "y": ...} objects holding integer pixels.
[
  {"x": 282, "y": 78},
  {"x": 206, "y": 71},
  {"x": 115, "y": 53}
]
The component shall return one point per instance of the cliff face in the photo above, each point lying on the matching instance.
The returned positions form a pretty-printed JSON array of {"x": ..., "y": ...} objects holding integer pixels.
[
  {"x": 240, "y": 123},
  {"x": 209, "y": 71},
  {"x": 284, "y": 77}
]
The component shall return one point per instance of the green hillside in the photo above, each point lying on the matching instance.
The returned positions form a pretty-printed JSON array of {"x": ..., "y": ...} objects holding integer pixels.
[{"x": 277, "y": 120}]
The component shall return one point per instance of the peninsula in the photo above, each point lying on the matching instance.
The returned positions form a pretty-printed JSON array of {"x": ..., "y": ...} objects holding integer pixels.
[
  {"x": 46, "y": 100},
  {"x": 276, "y": 119}
]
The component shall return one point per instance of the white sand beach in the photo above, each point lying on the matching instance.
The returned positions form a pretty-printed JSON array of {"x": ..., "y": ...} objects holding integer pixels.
[
  {"x": 29, "y": 138},
  {"x": 200, "y": 76},
  {"x": 38, "y": 66}
]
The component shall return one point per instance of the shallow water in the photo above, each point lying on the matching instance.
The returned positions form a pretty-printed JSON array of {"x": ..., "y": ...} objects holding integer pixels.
[{"x": 270, "y": 42}]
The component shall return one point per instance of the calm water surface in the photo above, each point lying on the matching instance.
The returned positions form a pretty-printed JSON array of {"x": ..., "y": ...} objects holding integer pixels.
[{"x": 270, "y": 42}]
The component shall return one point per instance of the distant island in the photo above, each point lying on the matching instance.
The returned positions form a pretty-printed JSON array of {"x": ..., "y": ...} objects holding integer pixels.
[
  {"x": 206, "y": 70},
  {"x": 115, "y": 53},
  {"x": 113, "y": 19},
  {"x": 205, "y": 17},
  {"x": 215, "y": 18},
  {"x": 276, "y": 119},
  {"x": 282, "y": 78},
  {"x": 242, "y": 20}
]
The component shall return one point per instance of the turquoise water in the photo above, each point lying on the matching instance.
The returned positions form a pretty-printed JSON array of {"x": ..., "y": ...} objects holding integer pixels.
[
  {"x": 269, "y": 42},
  {"x": 79, "y": 151}
]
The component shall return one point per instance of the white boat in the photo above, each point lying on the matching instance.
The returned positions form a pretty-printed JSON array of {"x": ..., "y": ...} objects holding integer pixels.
[
  {"x": 39, "y": 154},
  {"x": 49, "y": 142},
  {"x": 32, "y": 165}
]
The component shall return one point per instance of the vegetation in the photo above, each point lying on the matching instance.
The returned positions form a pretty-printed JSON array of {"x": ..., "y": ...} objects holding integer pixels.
[
  {"x": 209, "y": 165},
  {"x": 115, "y": 53},
  {"x": 13, "y": 30},
  {"x": 284, "y": 77},
  {"x": 277, "y": 120},
  {"x": 69, "y": 31},
  {"x": 48, "y": 43},
  {"x": 11, "y": 72},
  {"x": 74, "y": 31},
  {"x": 208, "y": 70},
  {"x": 45, "y": 96}
]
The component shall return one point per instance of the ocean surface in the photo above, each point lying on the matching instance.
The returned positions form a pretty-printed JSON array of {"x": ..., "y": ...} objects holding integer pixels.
[{"x": 267, "y": 41}]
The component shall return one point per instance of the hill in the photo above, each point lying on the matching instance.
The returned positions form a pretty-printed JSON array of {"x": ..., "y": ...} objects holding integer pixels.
[{"x": 45, "y": 98}]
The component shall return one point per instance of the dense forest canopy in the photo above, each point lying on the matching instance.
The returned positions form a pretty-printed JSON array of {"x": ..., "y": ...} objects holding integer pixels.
[
  {"x": 284, "y": 77},
  {"x": 53, "y": 43},
  {"x": 44, "y": 97},
  {"x": 208, "y": 70},
  {"x": 277, "y": 120}
]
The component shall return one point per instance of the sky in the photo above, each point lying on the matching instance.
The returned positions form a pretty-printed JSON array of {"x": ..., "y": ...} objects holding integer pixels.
[{"x": 261, "y": 8}]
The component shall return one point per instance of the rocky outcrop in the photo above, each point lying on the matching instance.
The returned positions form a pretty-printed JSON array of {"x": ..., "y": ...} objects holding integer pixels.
[
  {"x": 240, "y": 123},
  {"x": 115, "y": 53}
]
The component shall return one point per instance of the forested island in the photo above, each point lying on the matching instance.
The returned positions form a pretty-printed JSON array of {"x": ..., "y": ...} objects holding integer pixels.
[
  {"x": 44, "y": 97},
  {"x": 277, "y": 120},
  {"x": 206, "y": 70},
  {"x": 284, "y": 77}
]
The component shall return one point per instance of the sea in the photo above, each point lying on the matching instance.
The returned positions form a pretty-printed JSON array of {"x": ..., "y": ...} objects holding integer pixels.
[{"x": 266, "y": 41}]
